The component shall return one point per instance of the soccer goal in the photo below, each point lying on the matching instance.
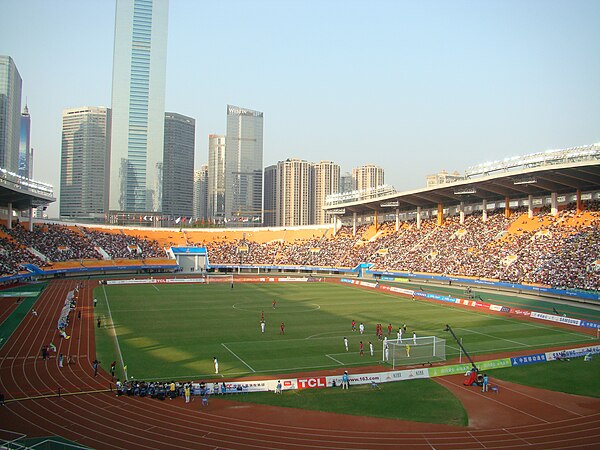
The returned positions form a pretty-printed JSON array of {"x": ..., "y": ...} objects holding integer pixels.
[{"x": 402, "y": 352}]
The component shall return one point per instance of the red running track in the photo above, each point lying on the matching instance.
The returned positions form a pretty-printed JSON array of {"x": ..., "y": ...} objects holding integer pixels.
[{"x": 517, "y": 417}]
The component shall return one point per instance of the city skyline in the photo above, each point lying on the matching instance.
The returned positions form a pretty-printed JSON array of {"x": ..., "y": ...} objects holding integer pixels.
[{"x": 415, "y": 88}]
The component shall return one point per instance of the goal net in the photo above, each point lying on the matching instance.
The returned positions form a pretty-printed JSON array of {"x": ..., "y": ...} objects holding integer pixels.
[{"x": 402, "y": 352}]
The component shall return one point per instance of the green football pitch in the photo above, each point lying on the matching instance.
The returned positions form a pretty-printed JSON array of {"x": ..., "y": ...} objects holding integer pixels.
[{"x": 162, "y": 331}]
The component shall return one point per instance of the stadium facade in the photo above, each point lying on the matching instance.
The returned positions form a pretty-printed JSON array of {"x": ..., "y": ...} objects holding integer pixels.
[{"x": 138, "y": 105}]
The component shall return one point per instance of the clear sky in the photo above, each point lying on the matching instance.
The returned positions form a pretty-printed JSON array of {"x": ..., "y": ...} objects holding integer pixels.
[{"x": 413, "y": 86}]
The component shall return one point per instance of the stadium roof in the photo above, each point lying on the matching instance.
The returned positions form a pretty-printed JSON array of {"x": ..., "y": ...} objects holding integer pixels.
[
  {"x": 538, "y": 181},
  {"x": 23, "y": 193}
]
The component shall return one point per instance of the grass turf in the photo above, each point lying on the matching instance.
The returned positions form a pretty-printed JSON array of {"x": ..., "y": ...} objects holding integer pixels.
[
  {"x": 415, "y": 400},
  {"x": 573, "y": 377},
  {"x": 173, "y": 331}
]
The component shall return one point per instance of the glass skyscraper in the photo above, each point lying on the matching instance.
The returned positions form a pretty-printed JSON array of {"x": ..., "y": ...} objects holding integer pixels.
[
  {"x": 178, "y": 165},
  {"x": 216, "y": 178},
  {"x": 243, "y": 165},
  {"x": 25, "y": 151},
  {"x": 10, "y": 114},
  {"x": 138, "y": 105},
  {"x": 84, "y": 163}
]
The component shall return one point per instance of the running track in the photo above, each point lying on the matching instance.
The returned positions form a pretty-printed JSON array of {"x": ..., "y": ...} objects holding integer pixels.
[{"x": 517, "y": 417}]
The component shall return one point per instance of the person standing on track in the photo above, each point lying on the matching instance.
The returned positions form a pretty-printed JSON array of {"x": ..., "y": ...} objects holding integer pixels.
[
  {"x": 345, "y": 379},
  {"x": 485, "y": 383}
]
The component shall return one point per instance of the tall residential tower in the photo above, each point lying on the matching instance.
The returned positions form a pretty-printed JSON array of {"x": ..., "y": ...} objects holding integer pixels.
[
  {"x": 325, "y": 181},
  {"x": 138, "y": 105},
  {"x": 293, "y": 193},
  {"x": 368, "y": 176}
]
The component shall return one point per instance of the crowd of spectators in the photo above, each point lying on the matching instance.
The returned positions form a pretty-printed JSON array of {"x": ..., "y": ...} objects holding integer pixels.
[
  {"x": 13, "y": 255},
  {"x": 560, "y": 251},
  {"x": 50, "y": 243},
  {"x": 54, "y": 242},
  {"x": 120, "y": 245}
]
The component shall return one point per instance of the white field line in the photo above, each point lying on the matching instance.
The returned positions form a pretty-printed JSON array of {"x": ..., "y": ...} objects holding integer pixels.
[
  {"x": 280, "y": 371},
  {"x": 337, "y": 361},
  {"x": 243, "y": 362},
  {"x": 500, "y": 349},
  {"x": 114, "y": 331},
  {"x": 155, "y": 287},
  {"x": 464, "y": 309},
  {"x": 492, "y": 336}
]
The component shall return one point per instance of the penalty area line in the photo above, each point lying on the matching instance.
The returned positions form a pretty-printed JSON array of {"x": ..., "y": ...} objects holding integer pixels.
[
  {"x": 337, "y": 361},
  {"x": 243, "y": 362}
]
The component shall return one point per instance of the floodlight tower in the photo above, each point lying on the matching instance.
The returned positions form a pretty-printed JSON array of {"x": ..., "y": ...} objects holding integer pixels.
[{"x": 449, "y": 328}]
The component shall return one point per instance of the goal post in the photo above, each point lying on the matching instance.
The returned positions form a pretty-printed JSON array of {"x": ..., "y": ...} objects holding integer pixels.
[{"x": 402, "y": 352}]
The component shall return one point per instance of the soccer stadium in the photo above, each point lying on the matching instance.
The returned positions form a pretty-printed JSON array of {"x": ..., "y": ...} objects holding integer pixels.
[{"x": 464, "y": 315}]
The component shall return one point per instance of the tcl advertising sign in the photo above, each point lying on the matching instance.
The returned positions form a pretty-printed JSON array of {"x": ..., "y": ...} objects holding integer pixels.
[{"x": 312, "y": 383}]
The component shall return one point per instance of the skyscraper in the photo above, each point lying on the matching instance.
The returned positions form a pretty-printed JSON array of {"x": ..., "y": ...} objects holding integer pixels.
[
  {"x": 10, "y": 114},
  {"x": 25, "y": 150},
  {"x": 243, "y": 164},
  {"x": 325, "y": 181},
  {"x": 84, "y": 163},
  {"x": 293, "y": 193},
  {"x": 270, "y": 196},
  {"x": 201, "y": 193},
  {"x": 178, "y": 165},
  {"x": 138, "y": 105},
  {"x": 216, "y": 178},
  {"x": 367, "y": 177}
]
